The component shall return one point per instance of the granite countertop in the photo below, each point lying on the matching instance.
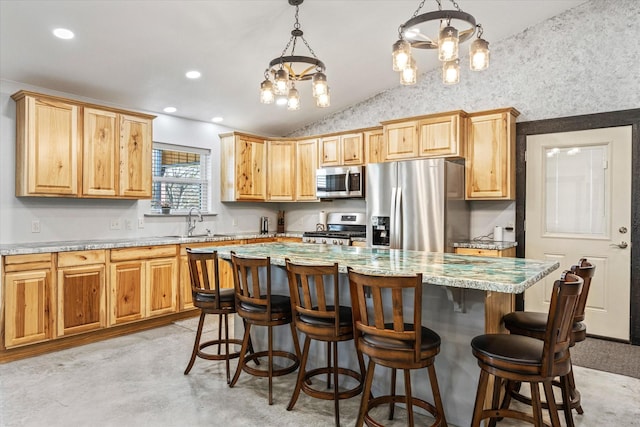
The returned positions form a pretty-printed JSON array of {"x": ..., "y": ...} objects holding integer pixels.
[
  {"x": 83, "y": 245},
  {"x": 507, "y": 275},
  {"x": 485, "y": 244}
]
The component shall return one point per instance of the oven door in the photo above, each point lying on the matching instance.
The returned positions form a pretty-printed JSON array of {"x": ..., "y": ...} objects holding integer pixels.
[{"x": 340, "y": 182}]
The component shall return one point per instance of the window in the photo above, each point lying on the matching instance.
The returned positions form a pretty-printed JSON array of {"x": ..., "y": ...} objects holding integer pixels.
[{"x": 181, "y": 177}]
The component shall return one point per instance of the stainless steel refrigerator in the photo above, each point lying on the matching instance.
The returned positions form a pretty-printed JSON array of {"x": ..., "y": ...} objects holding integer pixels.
[{"x": 416, "y": 204}]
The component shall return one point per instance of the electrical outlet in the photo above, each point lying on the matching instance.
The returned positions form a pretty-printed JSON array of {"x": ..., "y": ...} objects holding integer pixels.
[
  {"x": 35, "y": 226},
  {"x": 115, "y": 224},
  {"x": 141, "y": 222},
  {"x": 128, "y": 224},
  {"x": 235, "y": 222}
]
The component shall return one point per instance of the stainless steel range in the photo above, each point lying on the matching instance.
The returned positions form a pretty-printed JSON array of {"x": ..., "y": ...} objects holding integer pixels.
[{"x": 341, "y": 228}]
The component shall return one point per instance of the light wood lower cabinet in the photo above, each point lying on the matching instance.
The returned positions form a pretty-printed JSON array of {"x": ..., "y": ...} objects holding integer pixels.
[
  {"x": 28, "y": 299},
  {"x": 143, "y": 283},
  {"x": 81, "y": 286},
  {"x": 510, "y": 252}
]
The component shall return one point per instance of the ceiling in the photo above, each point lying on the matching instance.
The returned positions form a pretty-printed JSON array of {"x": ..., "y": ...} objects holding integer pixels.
[{"x": 135, "y": 53}]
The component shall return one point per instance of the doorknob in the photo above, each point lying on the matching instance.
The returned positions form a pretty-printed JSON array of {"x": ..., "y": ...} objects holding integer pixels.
[
  {"x": 621, "y": 245},
  {"x": 622, "y": 230}
]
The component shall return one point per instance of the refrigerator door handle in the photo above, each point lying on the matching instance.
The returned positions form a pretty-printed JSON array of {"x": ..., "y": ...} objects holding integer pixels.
[
  {"x": 397, "y": 212},
  {"x": 392, "y": 225}
]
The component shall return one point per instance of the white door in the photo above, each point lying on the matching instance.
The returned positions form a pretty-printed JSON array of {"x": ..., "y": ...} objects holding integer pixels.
[{"x": 579, "y": 205}]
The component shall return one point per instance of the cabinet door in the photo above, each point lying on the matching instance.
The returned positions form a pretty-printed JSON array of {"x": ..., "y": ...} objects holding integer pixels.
[
  {"x": 47, "y": 147},
  {"x": 251, "y": 177},
  {"x": 330, "y": 151},
  {"x": 281, "y": 170},
  {"x": 490, "y": 164},
  {"x": 441, "y": 136},
  {"x": 374, "y": 146},
  {"x": 352, "y": 149},
  {"x": 100, "y": 165},
  {"x": 162, "y": 286},
  {"x": 402, "y": 140},
  {"x": 135, "y": 156},
  {"x": 306, "y": 165},
  {"x": 81, "y": 299},
  {"x": 27, "y": 307},
  {"x": 127, "y": 292}
]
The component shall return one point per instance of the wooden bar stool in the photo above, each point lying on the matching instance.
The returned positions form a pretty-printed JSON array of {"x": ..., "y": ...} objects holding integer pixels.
[
  {"x": 211, "y": 299},
  {"x": 518, "y": 358},
  {"x": 388, "y": 329},
  {"x": 257, "y": 306},
  {"x": 315, "y": 301},
  {"x": 533, "y": 324}
]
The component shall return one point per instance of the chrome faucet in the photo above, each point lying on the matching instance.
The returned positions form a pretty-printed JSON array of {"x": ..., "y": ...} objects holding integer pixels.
[{"x": 191, "y": 222}]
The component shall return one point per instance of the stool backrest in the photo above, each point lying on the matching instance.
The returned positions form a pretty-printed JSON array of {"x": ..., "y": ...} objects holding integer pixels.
[
  {"x": 564, "y": 300},
  {"x": 203, "y": 271},
  {"x": 386, "y": 316},
  {"x": 586, "y": 270},
  {"x": 314, "y": 291},
  {"x": 246, "y": 280}
]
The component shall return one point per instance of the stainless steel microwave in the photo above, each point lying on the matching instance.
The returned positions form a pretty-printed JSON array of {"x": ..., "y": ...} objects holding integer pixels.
[{"x": 340, "y": 182}]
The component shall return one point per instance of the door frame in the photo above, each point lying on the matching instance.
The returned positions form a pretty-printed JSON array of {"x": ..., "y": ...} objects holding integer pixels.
[{"x": 577, "y": 123}]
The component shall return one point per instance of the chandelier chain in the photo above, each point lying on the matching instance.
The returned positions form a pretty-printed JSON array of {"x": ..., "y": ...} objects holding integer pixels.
[
  {"x": 420, "y": 7},
  {"x": 455, "y": 5}
]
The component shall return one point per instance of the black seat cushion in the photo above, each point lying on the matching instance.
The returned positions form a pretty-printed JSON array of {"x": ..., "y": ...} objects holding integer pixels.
[
  {"x": 517, "y": 349},
  {"x": 279, "y": 304},
  {"x": 345, "y": 317},
  {"x": 535, "y": 323},
  {"x": 430, "y": 339},
  {"x": 226, "y": 295}
]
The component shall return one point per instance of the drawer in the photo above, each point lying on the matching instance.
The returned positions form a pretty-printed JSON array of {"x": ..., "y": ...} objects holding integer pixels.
[
  {"x": 68, "y": 259},
  {"x": 144, "y": 252},
  {"x": 27, "y": 262}
]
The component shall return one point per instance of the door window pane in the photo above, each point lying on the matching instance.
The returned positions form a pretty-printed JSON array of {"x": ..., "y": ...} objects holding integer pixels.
[{"x": 575, "y": 190}]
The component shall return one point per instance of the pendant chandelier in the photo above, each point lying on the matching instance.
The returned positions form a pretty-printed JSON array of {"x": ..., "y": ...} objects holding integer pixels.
[
  {"x": 447, "y": 23},
  {"x": 287, "y": 70}
]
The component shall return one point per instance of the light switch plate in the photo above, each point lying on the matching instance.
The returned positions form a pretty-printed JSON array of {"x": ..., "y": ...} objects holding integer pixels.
[
  {"x": 115, "y": 224},
  {"x": 35, "y": 226}
]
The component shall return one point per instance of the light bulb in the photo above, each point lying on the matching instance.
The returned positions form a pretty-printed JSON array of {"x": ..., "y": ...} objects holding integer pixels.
[
  {"x": 293, "y": 100},
  {"x": 401, "y": 55},
  {"x": 409, "y": 75},
  {"x": 319, "y": 84},
  {"x": 479, "y": 55},
  {"x": 451, "y": 72},
  {"x": 281, "y": 80},
  {"x": 323, "y": 100},
  {"x": 266, "y": 92},
  {"x": 448, "y": 44}
]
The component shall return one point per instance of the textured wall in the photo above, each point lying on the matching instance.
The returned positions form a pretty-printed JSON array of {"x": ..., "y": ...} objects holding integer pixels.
[{"x": 586, "y": 60}]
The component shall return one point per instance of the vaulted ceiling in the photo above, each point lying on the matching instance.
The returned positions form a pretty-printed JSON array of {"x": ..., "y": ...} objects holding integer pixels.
[{"x": 135, "y": 53}]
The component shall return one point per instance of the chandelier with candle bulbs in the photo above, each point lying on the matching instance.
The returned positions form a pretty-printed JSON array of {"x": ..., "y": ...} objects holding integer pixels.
[
  {"x": 453, "y": 28},
  {"x": 284, "y": 72}
]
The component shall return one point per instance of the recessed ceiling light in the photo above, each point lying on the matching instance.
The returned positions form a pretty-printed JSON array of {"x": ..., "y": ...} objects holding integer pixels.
[
  {"x": 217, "y": 119},
  {"x": 170, "y": 110},
  {"x": 63, "y": 33},
  {"x": 193, "y": 74}
]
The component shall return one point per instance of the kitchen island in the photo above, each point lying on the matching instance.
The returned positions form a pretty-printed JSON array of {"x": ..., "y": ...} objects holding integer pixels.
[{"x": 464, "y": 296}]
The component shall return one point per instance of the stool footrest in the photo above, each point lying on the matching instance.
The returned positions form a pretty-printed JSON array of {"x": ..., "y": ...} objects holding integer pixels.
[
  {"x": 210, "y": 356},
  {"x": 276, "y": 372},
  {"x": 381, "y": 400},
  {"x": 328, "y": 395}
]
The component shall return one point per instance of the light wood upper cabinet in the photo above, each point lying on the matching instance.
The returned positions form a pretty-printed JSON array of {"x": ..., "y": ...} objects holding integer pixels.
[
  {"x": 48, "y": 146},
  {"x": 306, "y": 165},
  {"x": 281, "y": 170},
  {"x": 135, "y": 156},
  {"x": 73, "y": 149},
  {"x": 374, "y": 146},
  {"x": 402, "y": 140},
  {"x": 442, "y": 135},
  {"x": 28, "y": 299},
  {"x": 490, "y": 163},
  {"x": 81, "y": 299},
  {"x": 243, "y": 174},
  {"x": 100, "y": 158},
  {"x": 344, "y": 149}
]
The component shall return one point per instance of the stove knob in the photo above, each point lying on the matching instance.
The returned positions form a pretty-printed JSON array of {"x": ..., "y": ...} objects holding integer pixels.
[
  {"x": 335, "y": 242},
  {"x": 341, "y": 242},
  {"x": 324, "y": 240}
]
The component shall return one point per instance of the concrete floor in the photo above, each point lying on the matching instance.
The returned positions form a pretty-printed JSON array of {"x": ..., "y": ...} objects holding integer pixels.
[{"x": 137, "y": 380}]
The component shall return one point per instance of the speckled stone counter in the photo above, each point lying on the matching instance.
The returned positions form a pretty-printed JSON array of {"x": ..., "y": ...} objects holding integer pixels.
[
  {"x": 83, "y": 245},
  {"x": 506, "y": 275},
  {"x": 491, "y": 245}
]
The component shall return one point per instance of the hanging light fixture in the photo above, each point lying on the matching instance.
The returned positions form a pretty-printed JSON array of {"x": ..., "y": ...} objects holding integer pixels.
[
  {"x": 413, "y": 34},
  {"x": 288, "y": 69}
]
